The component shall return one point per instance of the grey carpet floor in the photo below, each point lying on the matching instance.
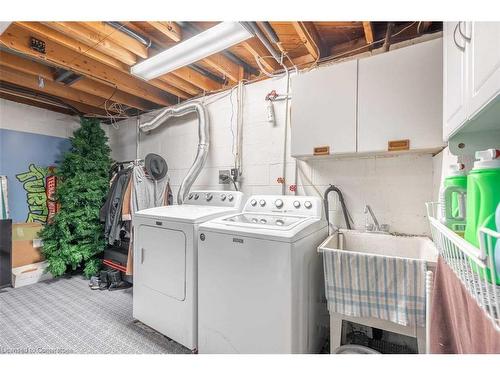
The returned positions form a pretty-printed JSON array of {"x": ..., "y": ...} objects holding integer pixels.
[{"x": 66, "y": 316}]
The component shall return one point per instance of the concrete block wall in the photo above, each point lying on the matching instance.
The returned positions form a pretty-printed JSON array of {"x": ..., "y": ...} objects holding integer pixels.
[
  {"x": 25, "y": 118},
  {"x": 396, "y": 187}
]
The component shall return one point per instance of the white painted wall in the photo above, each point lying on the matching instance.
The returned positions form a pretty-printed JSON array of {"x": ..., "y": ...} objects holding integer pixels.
[
  {"x": 396, "y": 187},
  {"x": 25, "y": 118},
  {"x": 122, "y": 140}
]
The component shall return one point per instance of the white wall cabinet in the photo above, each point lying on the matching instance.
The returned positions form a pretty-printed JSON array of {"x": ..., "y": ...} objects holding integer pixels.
[
  {"x": 484, "y": 61},
  {"x": 400, "y": 98},
  {"x": 359, "y": 106},
  {"x": 454, "y": 79},
  {"x": 471, "y": 72},
  {"x": 323, "y": 112}
]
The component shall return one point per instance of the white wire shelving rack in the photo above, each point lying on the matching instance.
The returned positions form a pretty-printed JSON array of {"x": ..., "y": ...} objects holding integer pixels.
[{"x": 460, "y": 254}]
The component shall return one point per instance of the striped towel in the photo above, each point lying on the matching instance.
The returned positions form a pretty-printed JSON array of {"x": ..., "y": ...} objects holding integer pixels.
[{"x": 362, "y": 285}]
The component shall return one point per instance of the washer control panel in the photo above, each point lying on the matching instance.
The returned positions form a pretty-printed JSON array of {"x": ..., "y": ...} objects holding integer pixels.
[
  {"x": 214, "y": 198},
  {"x": 290, "y": 204}
]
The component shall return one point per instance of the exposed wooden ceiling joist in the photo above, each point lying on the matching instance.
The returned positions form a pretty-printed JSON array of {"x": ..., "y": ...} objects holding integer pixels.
[
  {"x": 62, "y": 39},
  {"x": 258, "y": 51},
  {"x": 32, "y": 82},
  {"x": 197, "y": 79},
  {"x": 310, "y": 38},
  {"x": 94, "y": 40},
  {"x": 168, "y": 28},
  {"x": 18, "y": 39},
  {"x": 368, "y": 30},
  {"x": 68, "y": 42},
  {"x": 106, "y": 31},
  {"x": 86, "y": 85},
  {"x": 184, "y": 85}
]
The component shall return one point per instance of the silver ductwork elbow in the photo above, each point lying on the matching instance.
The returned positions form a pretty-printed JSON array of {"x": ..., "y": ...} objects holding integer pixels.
[{"x": 203, "y": 136}]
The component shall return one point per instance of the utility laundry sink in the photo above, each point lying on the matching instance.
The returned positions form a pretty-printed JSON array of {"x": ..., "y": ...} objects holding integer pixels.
[
  {"x": 386, "y": 245},
  {"x": 378, "y": 280}
]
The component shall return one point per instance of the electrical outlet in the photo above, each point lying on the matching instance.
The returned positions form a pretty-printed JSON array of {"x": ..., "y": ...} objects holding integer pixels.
[
  {"x": 222, "y": 173},
  {"x": 235, "y": 174}
]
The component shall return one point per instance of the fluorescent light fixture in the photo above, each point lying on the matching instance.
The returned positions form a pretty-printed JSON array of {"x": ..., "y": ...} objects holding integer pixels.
[{"x": 206, "y": 43}]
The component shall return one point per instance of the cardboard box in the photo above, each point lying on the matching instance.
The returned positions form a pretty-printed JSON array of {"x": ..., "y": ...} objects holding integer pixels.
[
  {"x": 30, "y": 274},
  {"x": 24, "y": 244}
]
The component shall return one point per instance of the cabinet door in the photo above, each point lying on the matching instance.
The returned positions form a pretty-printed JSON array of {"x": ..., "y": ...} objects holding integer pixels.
[
  {"x": 454, "y": 78},
  {"x": 401, "y": 97},
  {"x": 324, "y": 110},
  {"x": 484, "y": 64}
]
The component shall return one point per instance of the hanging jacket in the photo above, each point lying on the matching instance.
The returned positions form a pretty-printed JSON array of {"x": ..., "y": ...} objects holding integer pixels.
[{"x": 110, "y": 213}]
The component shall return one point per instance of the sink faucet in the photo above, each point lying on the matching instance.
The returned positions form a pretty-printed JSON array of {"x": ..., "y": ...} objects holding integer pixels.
[{"x": 375, "y": 227}]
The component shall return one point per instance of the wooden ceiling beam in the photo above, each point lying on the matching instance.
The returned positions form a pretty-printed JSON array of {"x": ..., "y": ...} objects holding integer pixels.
[
  {"x": 94, "y": 40},
  {"x": 120, "y": 38},
  {"x": 368, "y": 29},
  {"x": 224, "y": 66},
  {"x": 26, "y": 66},
  {"x": 184, "y": 85},
  {"x": 86, "y": 85},
  {"x": 303, "y": 60},
  {"x": 310, "y": 38},
  {"x": 68, "y": 42},
  {"x": 197, "y": 79},
  {"x": 165, "y": 86},
  {"x": 168, "y": 28},
  {"x": 353, "y": 47},
  {"x": 79, "y": 47},
  {"x": 31, "y": 82},
  {"x": 258, "y": 51},
  {"x": 18, "y": 40}
]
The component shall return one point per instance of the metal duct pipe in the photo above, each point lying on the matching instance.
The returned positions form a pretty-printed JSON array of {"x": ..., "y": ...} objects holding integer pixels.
[
  {"x": 129, "y": 32},
  {"x": 203, "y": 136},
  {"x": 254, "y": 29},
  {"x": 270, "y": 32}
]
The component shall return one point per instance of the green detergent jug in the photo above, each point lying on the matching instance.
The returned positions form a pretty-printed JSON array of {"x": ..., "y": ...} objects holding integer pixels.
[
  {"x": 483, "y": 196},
  {"x": 452, "y": 198}
]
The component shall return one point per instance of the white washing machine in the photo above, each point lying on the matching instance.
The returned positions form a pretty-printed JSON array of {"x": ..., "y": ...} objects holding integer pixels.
[
  {"x": 260, "y": 278},
  {"x": 166, "y": 262}
]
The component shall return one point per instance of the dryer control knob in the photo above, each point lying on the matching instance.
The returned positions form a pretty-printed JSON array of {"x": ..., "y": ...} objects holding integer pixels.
[
  {"x": 296, "y": 204},
  {"x": 209, "y": 197},
  {"x": 196, "y": 196},
  {"x": 230, "y": 197},
  {"x": 253, "y": 202},
  {"x": 307, "y": 204},
  {"x": 223, "y": 197},
  {"x": 262, "y": 202},
  {"x": 190, "y": 196},
  {"x": 278, "y": 203}
]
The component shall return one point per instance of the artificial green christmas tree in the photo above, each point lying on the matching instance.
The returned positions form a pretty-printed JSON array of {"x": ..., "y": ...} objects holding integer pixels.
[{"x": 75, "y": 236}]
